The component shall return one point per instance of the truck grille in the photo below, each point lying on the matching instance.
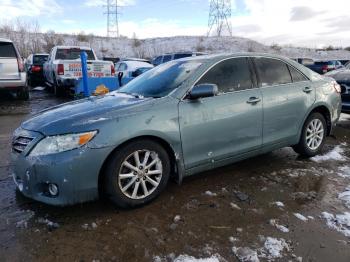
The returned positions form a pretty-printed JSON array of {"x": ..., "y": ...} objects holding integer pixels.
[{"x": 20, "y": 143}]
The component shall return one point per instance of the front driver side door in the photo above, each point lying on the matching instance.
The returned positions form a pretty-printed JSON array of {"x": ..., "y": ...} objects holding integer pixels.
[{"x": 226, "y": 125}]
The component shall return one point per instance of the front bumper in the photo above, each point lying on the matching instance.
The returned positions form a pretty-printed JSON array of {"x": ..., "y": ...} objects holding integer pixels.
[{"x": 75, "y": 173}]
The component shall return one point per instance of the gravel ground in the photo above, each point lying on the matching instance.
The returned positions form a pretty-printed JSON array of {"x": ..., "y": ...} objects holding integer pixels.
[{"x": 275, "y": 207}]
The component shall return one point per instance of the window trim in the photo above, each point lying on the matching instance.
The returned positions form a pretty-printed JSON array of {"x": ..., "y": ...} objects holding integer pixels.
[{"x": 255, "y": 86}]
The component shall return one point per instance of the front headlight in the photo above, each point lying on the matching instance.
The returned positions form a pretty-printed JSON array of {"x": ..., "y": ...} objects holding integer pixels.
[{"x": 60, "y": 143}]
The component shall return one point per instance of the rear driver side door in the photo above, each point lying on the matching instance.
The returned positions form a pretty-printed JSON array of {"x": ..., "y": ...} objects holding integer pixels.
[{"x": 227, "y": 125}]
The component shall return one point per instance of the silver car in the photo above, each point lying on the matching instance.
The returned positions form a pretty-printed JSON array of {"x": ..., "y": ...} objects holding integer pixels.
[{"x": 12, "y": 71}]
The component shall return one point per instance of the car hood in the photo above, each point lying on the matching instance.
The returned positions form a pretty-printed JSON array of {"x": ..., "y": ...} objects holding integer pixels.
[
  {"x": 341, "y": 75},
  {"x": 85, "y": 114}
]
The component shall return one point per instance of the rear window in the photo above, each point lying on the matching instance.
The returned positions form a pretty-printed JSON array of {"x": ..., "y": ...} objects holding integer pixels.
[
  {"x": 40, "y": 59},
  {"x": 72, "y": 54},
  {"x": 323, "y": 63},
  {"x": 178, "y": 56},
  {"x": 7, "y": 50},
  {"x": 272, "y": 72}
]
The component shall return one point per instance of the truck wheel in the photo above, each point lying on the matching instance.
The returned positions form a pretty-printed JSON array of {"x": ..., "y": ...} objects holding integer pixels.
[
  {"x": 23, "y": 93},
  {"x": 58, "y": 90},
  {"x": 313, "y": 136},
  {"x": 137, "y": 173}
]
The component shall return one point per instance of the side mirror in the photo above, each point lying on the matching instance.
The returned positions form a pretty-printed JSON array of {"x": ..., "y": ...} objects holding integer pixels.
[{"x": 203, "y": 90}]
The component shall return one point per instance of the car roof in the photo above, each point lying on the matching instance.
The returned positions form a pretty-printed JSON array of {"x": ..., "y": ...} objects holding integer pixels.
[
  {"x": 73, "y": 47},
  {"x": 137, "y": 64},
  {"x": 41, "y": 54},
  {"x": 5, "y": 40}
]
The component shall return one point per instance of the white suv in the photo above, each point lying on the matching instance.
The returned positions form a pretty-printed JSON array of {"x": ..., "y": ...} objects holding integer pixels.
[{"x": 12, "y": 71}]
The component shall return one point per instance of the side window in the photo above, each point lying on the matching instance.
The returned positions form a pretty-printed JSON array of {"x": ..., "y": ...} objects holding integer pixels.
[
  {"x": 122, "y": 67},
  {"x": 158, "y": 60},
  {"x": 229, "y": 75},
  {"x": 272, "y": 72},
  {"x": 166, "y": 58},
  {"x": 296, "y": 75}
]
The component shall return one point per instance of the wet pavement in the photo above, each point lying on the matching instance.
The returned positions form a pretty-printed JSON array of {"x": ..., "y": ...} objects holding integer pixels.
[{"x": 269, "y": 208}]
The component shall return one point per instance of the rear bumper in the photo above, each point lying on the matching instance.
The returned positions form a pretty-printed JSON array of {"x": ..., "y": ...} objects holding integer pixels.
[{"x": 13, "y": 85}]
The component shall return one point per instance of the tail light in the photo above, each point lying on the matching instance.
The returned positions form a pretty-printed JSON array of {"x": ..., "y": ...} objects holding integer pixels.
[
  {"x": 20, "y": 64},
  {"x": 325, "y": 68},
  {"x": 60, "y": 69},
  {"x": 112, "y": 70},
  {"x": 36, "y": 69}
]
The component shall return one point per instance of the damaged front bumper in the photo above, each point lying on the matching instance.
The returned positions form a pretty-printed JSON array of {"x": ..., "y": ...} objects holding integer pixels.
[{"x": 74, "y": 174}]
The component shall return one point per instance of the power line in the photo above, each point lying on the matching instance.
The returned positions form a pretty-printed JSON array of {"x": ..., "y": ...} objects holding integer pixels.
[
  {"x": 220, "y": 14},
  {"x": 112, "y": 12}
]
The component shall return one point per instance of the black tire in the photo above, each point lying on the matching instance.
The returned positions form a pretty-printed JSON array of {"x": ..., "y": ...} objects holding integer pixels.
[
  {"x": 302, "y": 147},
  {"x": 23, "y": 93},
  {"x": 111, "y": 184},
  {"x": 59, "y": 91}
]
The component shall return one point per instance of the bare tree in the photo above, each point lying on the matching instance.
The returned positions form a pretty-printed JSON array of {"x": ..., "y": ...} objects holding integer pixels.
[{"x": 52, "y": 39}]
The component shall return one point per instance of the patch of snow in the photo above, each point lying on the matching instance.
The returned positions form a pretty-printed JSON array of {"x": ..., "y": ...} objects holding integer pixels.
[
  {"x": 186, "y": 258},
  {"x": 273, "y": 248},
  {"x": 274, "y": 223},
  {"x": 335, "y": 154},
  {"x": 311, "y": 217},
  {"x": 209, "y": 193},
  {"x": 177, "y": 218},
  {"x": 233, "y": 239},
  {"x": 278, "y": 203},
  {"x": 345, "y": 196},
  {"x": 339, "y": 222},
  {"x": 235, "y": 206},
  {"x": 245, "y": 254},
  {"x": 301, "y": 217},
  {"x": 344, "y": 171}
]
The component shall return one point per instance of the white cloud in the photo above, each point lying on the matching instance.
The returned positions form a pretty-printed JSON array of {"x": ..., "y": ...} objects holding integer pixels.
[
  {"x": 29, "y": 8},
  {"x": 95, "y": 3}
]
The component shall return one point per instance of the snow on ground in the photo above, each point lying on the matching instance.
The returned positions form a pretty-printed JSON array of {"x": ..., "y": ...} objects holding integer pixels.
[
  {"x": 278, "y": 203},
  {"x": 344, "y": 171},
  {"x": 345, "y": 196},
  {"x": 273, "y": 248},
  {"x": 339, "y": 222},
  {"x": 209, "y": 193},
  {"x": 274, "y": 223},
  {"x": 301, "y": 217},
  {"x": 335, "y": 154},
  {"x": 187, "y": 258},
  {"x": 245, "y": 254}
]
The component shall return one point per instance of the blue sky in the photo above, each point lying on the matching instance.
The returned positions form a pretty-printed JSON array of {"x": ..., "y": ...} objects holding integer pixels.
[{"x": 307, "y": 23}]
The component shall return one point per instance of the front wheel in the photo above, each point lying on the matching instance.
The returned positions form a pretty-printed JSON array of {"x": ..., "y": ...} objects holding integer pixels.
[
  {"x": 137, "y": 173},
  {"x": 313, "y": 136}
]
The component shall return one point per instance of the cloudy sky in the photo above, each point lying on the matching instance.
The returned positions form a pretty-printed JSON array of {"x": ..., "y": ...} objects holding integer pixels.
[{"x": 312, "y": 23}]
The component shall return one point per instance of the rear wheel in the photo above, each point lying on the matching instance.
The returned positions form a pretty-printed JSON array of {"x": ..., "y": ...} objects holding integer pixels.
[
  {"x": 23, "y": 93},
  {"x": 137, "y": 173},
  {"x": 313, "y": 136}
]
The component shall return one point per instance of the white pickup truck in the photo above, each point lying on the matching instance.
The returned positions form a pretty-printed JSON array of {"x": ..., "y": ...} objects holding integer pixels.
[{"x": 63, "y": 68}]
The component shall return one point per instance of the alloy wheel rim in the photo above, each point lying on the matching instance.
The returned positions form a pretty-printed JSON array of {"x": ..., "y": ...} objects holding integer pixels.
[
  {"x": 140, "y": 174},
  {"x": 314, "y": 134}
]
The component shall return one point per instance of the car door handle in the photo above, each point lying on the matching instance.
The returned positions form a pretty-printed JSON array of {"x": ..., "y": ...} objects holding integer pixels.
[
  {"x": 307, "y": 89},
  {"x": 253, "y": 100}
]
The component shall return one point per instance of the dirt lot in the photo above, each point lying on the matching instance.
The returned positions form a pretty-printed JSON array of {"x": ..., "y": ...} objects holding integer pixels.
[{"x": 275, "y": 207}]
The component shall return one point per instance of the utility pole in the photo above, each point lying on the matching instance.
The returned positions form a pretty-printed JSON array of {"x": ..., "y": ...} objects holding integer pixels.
[
  {"x": 112, "y": 12},
  {"x": 220, "y": 14}
]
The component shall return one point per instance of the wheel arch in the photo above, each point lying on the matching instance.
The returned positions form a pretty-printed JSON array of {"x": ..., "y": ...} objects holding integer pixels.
[
  {"x": 324, "y": 111},
  {"x": 176, "y": 167}
]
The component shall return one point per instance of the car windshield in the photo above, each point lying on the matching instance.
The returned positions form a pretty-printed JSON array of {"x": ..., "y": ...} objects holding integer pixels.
[
  {"x": 73, "y": 54},
  {"x": 161, "y": 80}
]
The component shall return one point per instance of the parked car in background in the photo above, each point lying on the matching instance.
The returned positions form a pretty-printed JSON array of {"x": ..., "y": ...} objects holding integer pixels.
[
  {"x": 127, "y": 70},
  {"x": 12, "y": 72},
  {"x": 35, "y": 69},
  {"x": 177, "y": 119},
  {"x": 169, "y": 57},
  {"x": 342, "y": 76},
  {"x": 304, "y": 61},
  {"x": 323, "y": 67},
  {"x": 63, "y": 67}
]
